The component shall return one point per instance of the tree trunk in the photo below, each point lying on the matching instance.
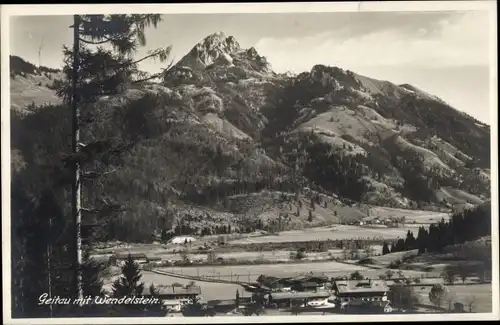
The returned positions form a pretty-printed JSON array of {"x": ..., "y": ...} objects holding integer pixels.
[
  {"x": 76, "y": 190},
  {"x": 49, "y": 275}
]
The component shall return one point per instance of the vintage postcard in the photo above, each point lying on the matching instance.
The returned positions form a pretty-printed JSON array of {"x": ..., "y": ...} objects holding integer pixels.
[{"x": 254, "y": 162}]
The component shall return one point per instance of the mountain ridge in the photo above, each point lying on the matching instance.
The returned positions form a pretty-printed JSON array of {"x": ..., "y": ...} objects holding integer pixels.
[{"x": 222, "y": 125}]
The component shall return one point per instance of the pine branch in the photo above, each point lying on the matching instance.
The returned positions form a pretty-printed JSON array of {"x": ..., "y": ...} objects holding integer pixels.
[
  {"x": 93, "y": 174},
  {"x": 93, "y": 43},
  {"x": 163, "y": 53},
  {"x": 157, "y": 75},
  {"x": 88, "y": 210}
]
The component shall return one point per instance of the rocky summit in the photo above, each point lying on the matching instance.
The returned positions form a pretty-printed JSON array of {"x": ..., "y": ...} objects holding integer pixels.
[{"x": 224, "y": 141}]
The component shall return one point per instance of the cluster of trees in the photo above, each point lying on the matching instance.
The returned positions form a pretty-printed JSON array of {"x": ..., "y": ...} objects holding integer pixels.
[
  {"x": 403, "y": 296},
  {"x": 401, "y": 245},
  {"x": 44, "y": 263},
  {"x": 441, "y": 297},
  {"x": 335, "y": 173},
  {"x": 417, "y": 186},
  {"x": 186, "y": 229},
  {"x": 217, "y": 193},
  {"x": 464, "y": 226},
  {"x": 45, "y": 239}
]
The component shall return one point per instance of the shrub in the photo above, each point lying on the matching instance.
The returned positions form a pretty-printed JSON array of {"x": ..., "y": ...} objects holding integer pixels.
[
  {"x": 395, "y": 264},
  {"x": 356, "y": 276}
]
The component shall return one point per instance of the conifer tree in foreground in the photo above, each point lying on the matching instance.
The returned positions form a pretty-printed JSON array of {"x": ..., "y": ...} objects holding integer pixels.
[
  {"x": 129, "y": 283},
  {"x": 95, "y": 71}
]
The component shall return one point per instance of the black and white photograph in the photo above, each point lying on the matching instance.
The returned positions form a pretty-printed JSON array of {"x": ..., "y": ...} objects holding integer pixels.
[{"x": 200, "y": 163}]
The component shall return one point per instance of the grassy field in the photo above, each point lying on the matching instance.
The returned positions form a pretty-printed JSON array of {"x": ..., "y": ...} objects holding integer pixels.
[
  {"x": 479, "y": 293},
  {"x": 337, "y": 232},
  {"x": 266, "y": 256},
  {"x": 209, "y": 290},
  {"x": 417, "y": 216},
  {"x": 33, "y": 89},
  {"x": 386, "y": 260},
  {"x": 251, "y": 272}
]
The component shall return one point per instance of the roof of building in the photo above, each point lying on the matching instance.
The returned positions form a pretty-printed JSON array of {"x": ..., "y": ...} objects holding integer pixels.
[
  {"x": 172, "y": 290},
  {"x": 311, "y": 278},
  {"x": 153, "y": 258},
  {"x": 303, "y": 278},
  {"x": 355, "y": 286},
  {"x": 299, "y": 295},
  {"x": 308, "y": 284}
]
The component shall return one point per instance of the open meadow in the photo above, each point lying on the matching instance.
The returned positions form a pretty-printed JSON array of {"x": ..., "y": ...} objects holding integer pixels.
[
  {"x": 410, "y": 216},
  {"x": 249, "y": 273},
  {"x": 209, "y": 290},
  {"x": 337, "y": 232}
]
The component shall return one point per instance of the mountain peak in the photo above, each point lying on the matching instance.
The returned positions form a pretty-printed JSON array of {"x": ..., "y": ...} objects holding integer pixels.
[
  {"x": 218, "y": 41},
  {"x": 212, "y": 48},
  {"x": 215, "y": 37}
]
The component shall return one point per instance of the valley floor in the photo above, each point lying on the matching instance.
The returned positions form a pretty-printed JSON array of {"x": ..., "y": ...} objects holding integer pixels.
[{"x": 213, "y": 279}]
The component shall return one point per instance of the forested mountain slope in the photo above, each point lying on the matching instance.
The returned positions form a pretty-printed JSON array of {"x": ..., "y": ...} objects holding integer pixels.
[{"x": 223, "y": 143}]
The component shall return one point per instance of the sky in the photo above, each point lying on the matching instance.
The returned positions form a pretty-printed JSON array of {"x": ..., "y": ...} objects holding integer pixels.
[{"x": 445, "y": 53}]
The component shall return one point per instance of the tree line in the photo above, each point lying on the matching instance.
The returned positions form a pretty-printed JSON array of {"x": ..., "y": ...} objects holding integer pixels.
[{"x": 464, "y": 226}]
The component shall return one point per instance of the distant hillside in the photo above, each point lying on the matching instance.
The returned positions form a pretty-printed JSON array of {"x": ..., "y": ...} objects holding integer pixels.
[
  {"x": 224, "y": 142},
  {"x": 18, "y": 66},
  {"x": 32, "y": 86}
]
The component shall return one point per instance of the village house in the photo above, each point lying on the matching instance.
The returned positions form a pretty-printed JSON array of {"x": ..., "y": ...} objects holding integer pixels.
[
  {"x": 274, "y": 283},
  {"x": 360, "y": 290},
  {"x": 308, "y": 282},
  {"x": 173, "y": 297},
  {"x": 306, "y": 298}
]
